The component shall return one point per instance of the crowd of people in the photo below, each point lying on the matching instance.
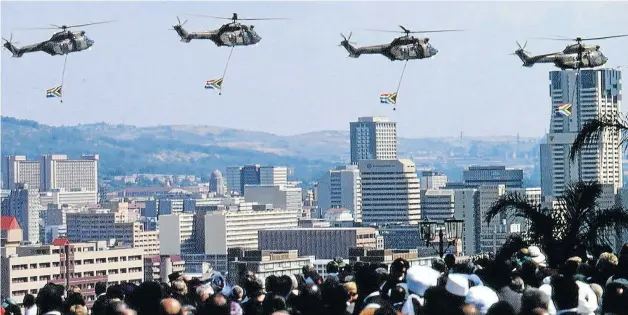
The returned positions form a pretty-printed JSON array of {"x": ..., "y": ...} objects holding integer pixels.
[{"x": 521, "y": 284}]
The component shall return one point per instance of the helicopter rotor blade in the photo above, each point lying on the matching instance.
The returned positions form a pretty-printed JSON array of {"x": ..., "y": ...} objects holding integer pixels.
[
  {"x": 605, "y": 37},
  {"x": 405, "y": 30},
  {"x": 87, "y": 24},
  {"x": 231, "y": 18},
  {"x": 411, "y": 32},
  {"x": 54, "y": 26}
]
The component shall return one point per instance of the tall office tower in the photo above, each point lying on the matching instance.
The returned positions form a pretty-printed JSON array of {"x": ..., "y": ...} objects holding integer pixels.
[
  {"x": 390, "y": 192},
  {"x": 373, "y": 138},
  {"x": 476, "y": 176},
  {"x": 233, "y": 179},
  {"x": 217, "y": 183},
  {"x": 249, "y": 175},
  {"x": 176, "y": 234},
  {"x": 433, "y": 180},
  {"x": 341, "y": 188},
  {"x": 57, "y": 171},
  {"x": 466, "y": 205},
  {"x": 16, "y": 169},
  {"x": 437, "y": 204},
  {"x": 598, "y": 95},
  {"x": 273, "y": 175},
  {"x": 23, "y": 203}
]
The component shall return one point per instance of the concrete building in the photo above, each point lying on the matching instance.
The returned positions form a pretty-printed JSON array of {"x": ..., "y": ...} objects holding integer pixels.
[
  {"x": 104, "y": 224},
  {"x": 339, "y": 217},
  {"x": 390, "y": 191},
  {"x": 176, "y": 236},
  {"x": 313, "y": 223},
  {"x": 16, "y": 169},
  {"x": 466, "y": 205},
  {"x": 264, "y": 263},
  {"x": 24, "y": 204},
  {"x": 341, "y": 188},
  {"x": 57, "y": 171},
  {"x": 596, "y": 94},
  {"x": 280, "y": 196},
  {"x": 217, "y": 183},
  {"x": 61, "y": 196},
  {"x": 32, "y": 266},
  {"x": 387, "y": 256},
  {"x": 323, "y": 243},
  {"x": 432, "y": 180},
  {"x": 155, "y": 266},
  {"x": 373, "y": 138},
  {"x": 233, "y": 179},
  {"x": 437, "y": 204},
  {"x": 476, "y": 176},
  {"x": 401, "y": 236},
  {"x": 273, "y": 175}
]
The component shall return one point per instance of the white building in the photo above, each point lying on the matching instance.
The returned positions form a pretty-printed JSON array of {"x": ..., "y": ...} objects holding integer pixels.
[
  {"x": 75, "y": 197},
  {"x": 341, "y": 188},
  {"x": 373, "y": 138},
  {"x": 233, "y": 179},
  {"x": 217, "y": 183},
  {"x": 57, "y": 171},
  {"x": 432, "y": 180},
  {"x": 437, "y": 204},
  {"x": 280, "y": 196},
  {"x": 23, "y": 203},
  {"x": 273, "y": 175},
  {"x": 176, "y": 234},
  {"x": 390, "y": 191},
  {"x": 599, "y": 95},
  {"x": 16, "y": 169}
]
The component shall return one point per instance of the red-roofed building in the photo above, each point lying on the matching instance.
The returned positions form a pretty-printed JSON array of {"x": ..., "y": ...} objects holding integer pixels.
[
  {"x": 11, "y": 231},
  {"x": 61, "y": 241}
]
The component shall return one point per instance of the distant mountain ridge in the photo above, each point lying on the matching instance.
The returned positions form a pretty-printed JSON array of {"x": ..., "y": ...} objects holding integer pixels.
[{"x": 188, "y": 149}]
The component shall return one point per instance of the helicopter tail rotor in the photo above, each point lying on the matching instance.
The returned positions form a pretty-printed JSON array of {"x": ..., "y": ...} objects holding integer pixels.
[
  {"x": 9, "y": 45},
  {"x": 523, "y": 55},
  {"x": 185, "y": 36},
  {"x": 353, "y": 52}
]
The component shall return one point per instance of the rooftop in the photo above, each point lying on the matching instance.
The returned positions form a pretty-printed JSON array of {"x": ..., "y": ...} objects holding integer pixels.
[{"x": 9, "y": 223}]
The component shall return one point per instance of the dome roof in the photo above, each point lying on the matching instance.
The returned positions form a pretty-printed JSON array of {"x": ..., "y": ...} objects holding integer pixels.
[{"x": 216, "y": 173}]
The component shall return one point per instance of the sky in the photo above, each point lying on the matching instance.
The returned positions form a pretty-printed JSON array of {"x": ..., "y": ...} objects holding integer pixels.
[{"x": 297, "y": 79}]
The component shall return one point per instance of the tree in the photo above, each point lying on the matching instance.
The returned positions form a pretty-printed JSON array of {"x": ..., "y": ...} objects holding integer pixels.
[
  {"x": 593, "y": 130},
  {"x": 575, "y": 222}
]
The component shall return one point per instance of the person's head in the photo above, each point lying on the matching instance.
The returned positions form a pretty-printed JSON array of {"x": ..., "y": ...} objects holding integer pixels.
[
  {"x": 398, "y": 294},
  {"x": 332, "y": 267},
  {"x": 439, "y": 265},
  {"x": 179, "y": 287},
  {"x": 564, "y": 292},
  {"x": 380, "y": 276},
  {"x": 50, "y": 298},
  {"x": 517, "y": 284},
  {"x": 398, "y": 268},
  {"x": 271, "y": 283},
  {"x": 533, "y": 298},
  {"x": 218, "y": 304},
  {"x": 469, "y": 309},
  {"x": 352, "y": 290},
  {"x": 501, "y": 308},
  {"x": 29, "y": 300},
  {"x": 283, "y": 285},
  {"x": 170, "y": 306},
  {"x": 100, "y": 288},
  {"x": 307, "y": 270},
  {"x": 450, "y": 260},
  {"x": 237, "y": 293},
  {"x": 78, "y": 310},
  {"x": 204, "y": 292}
]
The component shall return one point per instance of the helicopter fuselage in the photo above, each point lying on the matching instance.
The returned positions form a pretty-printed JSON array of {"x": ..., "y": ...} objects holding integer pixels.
[
  {"x": 574, "y": 49},
  {"x": 60, "y": 43},
  {"x": 401, "y": 48},
  {"x": 590, "y": 59},
  {"x": 231, "y": 34}
]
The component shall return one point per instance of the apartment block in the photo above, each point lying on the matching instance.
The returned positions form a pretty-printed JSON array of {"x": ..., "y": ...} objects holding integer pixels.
[
  {"x": 16, "y": 169},
  {"x": 341, "y": 188},
  {"x": 264, "y": 263},
  {"x": 65, "y": 263},
  {"x": 323, "y": 243},
  {"x": 437, "y": 204},
  {"x": 373, "y": 138},
  {"x": 24, "y": 204},
  {"x": 273, "y": 175},
  {"x": 280, "y": 196},
  {"x": 176, "y": 236}
]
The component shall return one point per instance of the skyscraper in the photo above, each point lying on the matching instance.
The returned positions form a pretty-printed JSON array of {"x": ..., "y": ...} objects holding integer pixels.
[
  {"x": 16, "y": 169},
  {"x": 233, "y": 179},
  {"x": 249, "y": 175},
  {"x": 273, "y": 175},
  {"x": 599, "y": 95},
  {"x": 341, "y": 188},
  {"x": 373, "y": 138}
]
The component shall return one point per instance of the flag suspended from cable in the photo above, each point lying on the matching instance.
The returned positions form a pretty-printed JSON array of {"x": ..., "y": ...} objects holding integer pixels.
[
  {"x": 54, "y": 92},
  {"x": 214, "y": 84},
  {"x": 564, "y": 109},
  {"x": 388, "y": 98}
]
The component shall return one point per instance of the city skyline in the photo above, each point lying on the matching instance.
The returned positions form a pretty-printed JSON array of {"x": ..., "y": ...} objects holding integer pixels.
[{"x": 150, "y": 78}]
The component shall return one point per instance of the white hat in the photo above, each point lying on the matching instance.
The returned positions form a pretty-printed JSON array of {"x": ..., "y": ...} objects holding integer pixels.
[
  {"x": 536, "y": 255},
  {"x": 482, "y": 297},
  {"x": 457, "y": 284},
  {"x": 420, "y": 278}
]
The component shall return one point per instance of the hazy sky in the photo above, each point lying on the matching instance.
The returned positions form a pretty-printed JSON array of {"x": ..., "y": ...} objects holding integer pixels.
[{"x": 297, "y": 79}]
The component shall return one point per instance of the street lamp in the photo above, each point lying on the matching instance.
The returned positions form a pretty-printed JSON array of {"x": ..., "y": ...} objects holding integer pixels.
[{"x": 450, "y": 232}]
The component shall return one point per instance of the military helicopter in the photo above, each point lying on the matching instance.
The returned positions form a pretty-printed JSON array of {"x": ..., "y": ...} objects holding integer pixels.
[
  {"x": 60, "y": 43},
  {"x": 405, "y": 47},
  {"x": 230, "y": 34},
  {"x": 574, "y": 56}
]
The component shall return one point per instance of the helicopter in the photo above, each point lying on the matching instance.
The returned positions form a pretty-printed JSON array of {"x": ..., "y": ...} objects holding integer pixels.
[
  {"x": 574, "y": 56},
  {"x": 405, "y": 47},
  {"x": 230, "y": 34},
  {"x": 60, "y": 43}
]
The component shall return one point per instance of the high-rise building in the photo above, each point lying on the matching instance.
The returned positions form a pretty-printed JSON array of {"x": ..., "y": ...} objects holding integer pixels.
[
  {"x": 249, "y": 175},
  {"x": 16, "y": 169},
  {"x": 595, "y": 94},
  {"x": 341, "y": 188},
  {"x": 280, "y": 196},
  {"x": 273, "y": 175},
  {"x": 466, "y": 207},
  {"x": 476, "y": 176},
  {"x": 24, "y": 204},
  {"x": 217, "y": 183},
  {"x": 176, "y": 234},
  {"x": 57, "y": 171},
  {"x": 390, "y": 191},
  {"x": 233, "y": 179},
  {"x": 437, "y": 204},
  {"x": 373, "y": 138},
  {"x": 433, "y": 180}
]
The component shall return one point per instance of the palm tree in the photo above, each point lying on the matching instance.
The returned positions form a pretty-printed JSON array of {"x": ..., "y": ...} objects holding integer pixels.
[
  {"x": 593, "y": 129},
  {"x": 575, "y": 222}
]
